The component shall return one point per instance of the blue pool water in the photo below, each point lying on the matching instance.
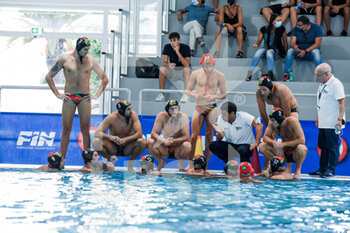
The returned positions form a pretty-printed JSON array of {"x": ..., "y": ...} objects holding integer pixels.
[{"x": 71, "y": 201}]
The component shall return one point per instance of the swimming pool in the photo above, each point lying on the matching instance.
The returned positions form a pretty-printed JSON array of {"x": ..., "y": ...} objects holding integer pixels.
[{"x": 72, "y": 201}]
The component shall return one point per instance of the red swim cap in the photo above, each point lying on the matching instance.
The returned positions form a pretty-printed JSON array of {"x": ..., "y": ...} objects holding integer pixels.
[
  {"x": 207, "y": 58},
  {"x": 246, "y": 170}
]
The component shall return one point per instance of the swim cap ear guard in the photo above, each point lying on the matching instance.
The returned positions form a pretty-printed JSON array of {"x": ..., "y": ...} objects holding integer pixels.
[
  {"x": 199, "y": 162},
  {"x": 54, "y": 159},
  {"x": 122, "y": 105},
  {"x": 207, "y": 58},
  {"x": 245, "y": 169},
  {"x": 277, "y": 164},
  {"x": 147, "y": 162},
  {"x": 277, "y": 114},
  {"x": 81, "y": 43},
  {"x": 265, "y": 81},
  {"x": 171, "y": 102},
  {"x": 231, "y": 168},
  {"x": 87, "y": 155}
]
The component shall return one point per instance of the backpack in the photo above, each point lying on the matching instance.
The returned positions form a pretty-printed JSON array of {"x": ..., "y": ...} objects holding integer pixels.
[{"x": 146, "y": 69}]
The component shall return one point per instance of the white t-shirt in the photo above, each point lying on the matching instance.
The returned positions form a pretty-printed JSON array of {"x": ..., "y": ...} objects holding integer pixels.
[
  {"x": 279, "y": 2},
  {"x": 328, "y": 95},
  {"x": 240, "y": 131}
]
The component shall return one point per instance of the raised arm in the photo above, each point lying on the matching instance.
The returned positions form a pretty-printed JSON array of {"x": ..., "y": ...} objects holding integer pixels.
[{"x": 101, "y": 74}]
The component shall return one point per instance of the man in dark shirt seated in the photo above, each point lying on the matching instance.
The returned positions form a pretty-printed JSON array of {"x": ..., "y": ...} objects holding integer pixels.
[
  {"x": 176, "y": 64},
  {"x": 304, "y": 44}
]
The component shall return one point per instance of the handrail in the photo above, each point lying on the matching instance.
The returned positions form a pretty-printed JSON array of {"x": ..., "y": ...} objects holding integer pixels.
[
  {"x": 155, "y": 90},
  {"x": 45, "y": 87},
  {"x": 228, "y": 92}
]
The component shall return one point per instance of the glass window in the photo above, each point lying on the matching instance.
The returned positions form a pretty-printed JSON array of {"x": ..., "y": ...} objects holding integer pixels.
[
  {"x": 17, "y": 19},
  {"x": 26, "y": 61}
]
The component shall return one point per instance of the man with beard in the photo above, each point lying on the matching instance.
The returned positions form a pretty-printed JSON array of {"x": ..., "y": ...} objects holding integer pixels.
[
  {"x": 125, "y": 138},
  {"x": 206, "y": 81},
  {"x": 173, "y": 144},
  {"x": 276, "y": 94}
]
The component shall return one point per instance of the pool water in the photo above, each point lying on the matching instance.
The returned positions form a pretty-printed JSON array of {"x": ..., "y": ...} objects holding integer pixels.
[{"x": 72, "y": 201}]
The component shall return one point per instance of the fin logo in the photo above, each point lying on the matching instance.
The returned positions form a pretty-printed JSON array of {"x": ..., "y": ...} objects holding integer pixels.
[{"x": 27, "y": 139}]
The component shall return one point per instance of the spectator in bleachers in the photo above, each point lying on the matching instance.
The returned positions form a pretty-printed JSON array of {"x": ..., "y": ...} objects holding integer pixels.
[
  {"x": 176, "y": 64},
  {"x": 279, "y": 7},
  {"x": 306, "y": 7},
  {"x": 305, "y": 44},
  {"x": 275, "y": 45},
  {"x": 337, "y": 7},
  {"x": 196, "y": 21},
  {"x": 231, "y": 24}
]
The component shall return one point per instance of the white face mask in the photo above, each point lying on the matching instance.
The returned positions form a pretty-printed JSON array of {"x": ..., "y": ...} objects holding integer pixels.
[
  {"x": 278, "y": 24},
  {"x": 195, "y": 2}
]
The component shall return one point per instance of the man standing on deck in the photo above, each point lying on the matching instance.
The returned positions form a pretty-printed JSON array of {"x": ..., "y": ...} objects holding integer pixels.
[
  {"x": 207, "y": 81},
  {"x": 77, "y": 68}
]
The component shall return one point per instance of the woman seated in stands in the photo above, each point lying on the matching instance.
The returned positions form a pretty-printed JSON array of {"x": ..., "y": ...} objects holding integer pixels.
[
  {"x": 275, "y": 45},
  {"x": 231, "y": 24}
]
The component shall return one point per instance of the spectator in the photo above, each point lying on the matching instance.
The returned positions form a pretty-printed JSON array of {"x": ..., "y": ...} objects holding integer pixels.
[
  {"x": 337, "y": 7},
  {"x": 236, "y": 127},
  {"x": 305, "y": 44},
  {"x": 275, "y": 45},
  {"x": 330, "y": 116},
  {"x": 279, "y": 7},
  {"x": 231, "y": 24},
  {"x": 179, "y": 56},
  {"x": 306, "y": 7},
  {"x": 196, "y": 21}
]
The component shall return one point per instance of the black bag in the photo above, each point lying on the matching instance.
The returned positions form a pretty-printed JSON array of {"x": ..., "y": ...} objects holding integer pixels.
[{"x": 146, "y": 69}]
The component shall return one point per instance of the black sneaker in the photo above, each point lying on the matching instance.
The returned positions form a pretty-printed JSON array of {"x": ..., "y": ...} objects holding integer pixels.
[
  {"x": 316, "y": 173},
  {"x": 329, "y": 173}
]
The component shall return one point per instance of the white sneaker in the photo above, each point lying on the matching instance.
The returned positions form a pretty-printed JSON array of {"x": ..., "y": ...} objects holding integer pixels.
[
  {"x": 159, "y": 98},
  {"x": 184, "y": 98}
]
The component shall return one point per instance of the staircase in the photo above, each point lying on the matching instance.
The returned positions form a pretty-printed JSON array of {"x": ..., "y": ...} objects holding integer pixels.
[{"x": 335, "y": 51}]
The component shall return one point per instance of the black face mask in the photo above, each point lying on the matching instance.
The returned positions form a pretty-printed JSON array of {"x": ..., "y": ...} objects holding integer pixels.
[{"x": 231, "y": 2}]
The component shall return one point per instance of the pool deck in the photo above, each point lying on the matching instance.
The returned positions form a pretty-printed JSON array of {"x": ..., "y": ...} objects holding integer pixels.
[{"x": 167, "y": 170}]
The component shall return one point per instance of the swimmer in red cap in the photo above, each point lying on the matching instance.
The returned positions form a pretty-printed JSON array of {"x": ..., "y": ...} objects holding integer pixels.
[
  {"x": 206, "y": 81},
  {"x": 292, "y": 147},
  {"x": 125, "y": 138},
  {"x": 77, "y": 68},
  {"x": 246, "y": 173}
]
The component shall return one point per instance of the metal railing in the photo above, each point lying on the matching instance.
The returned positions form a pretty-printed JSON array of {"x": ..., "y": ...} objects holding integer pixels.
[
  {"x": 45, "y": 87},
  {"x": 141, "y": 92},
  {"x": 154, "y": 91}
]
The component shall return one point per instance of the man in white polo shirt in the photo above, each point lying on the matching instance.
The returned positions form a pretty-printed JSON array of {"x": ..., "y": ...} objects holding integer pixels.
[
  {"x": 330, "y": 118},
  {"x": 236, "y": 127}
]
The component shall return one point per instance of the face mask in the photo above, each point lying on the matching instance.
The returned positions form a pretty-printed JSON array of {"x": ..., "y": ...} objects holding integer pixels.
[
  {"x": 278, "y": 24},
  {"x": 231, "y": 2},
  {"x": 300, "y": 28},
  {"x": 195, "y": 2}
]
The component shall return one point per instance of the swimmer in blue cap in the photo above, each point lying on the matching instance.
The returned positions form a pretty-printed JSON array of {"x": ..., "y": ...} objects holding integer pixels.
[
  {"x": 275, "y": 94},
  {"x": 77, "y": 69}
]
